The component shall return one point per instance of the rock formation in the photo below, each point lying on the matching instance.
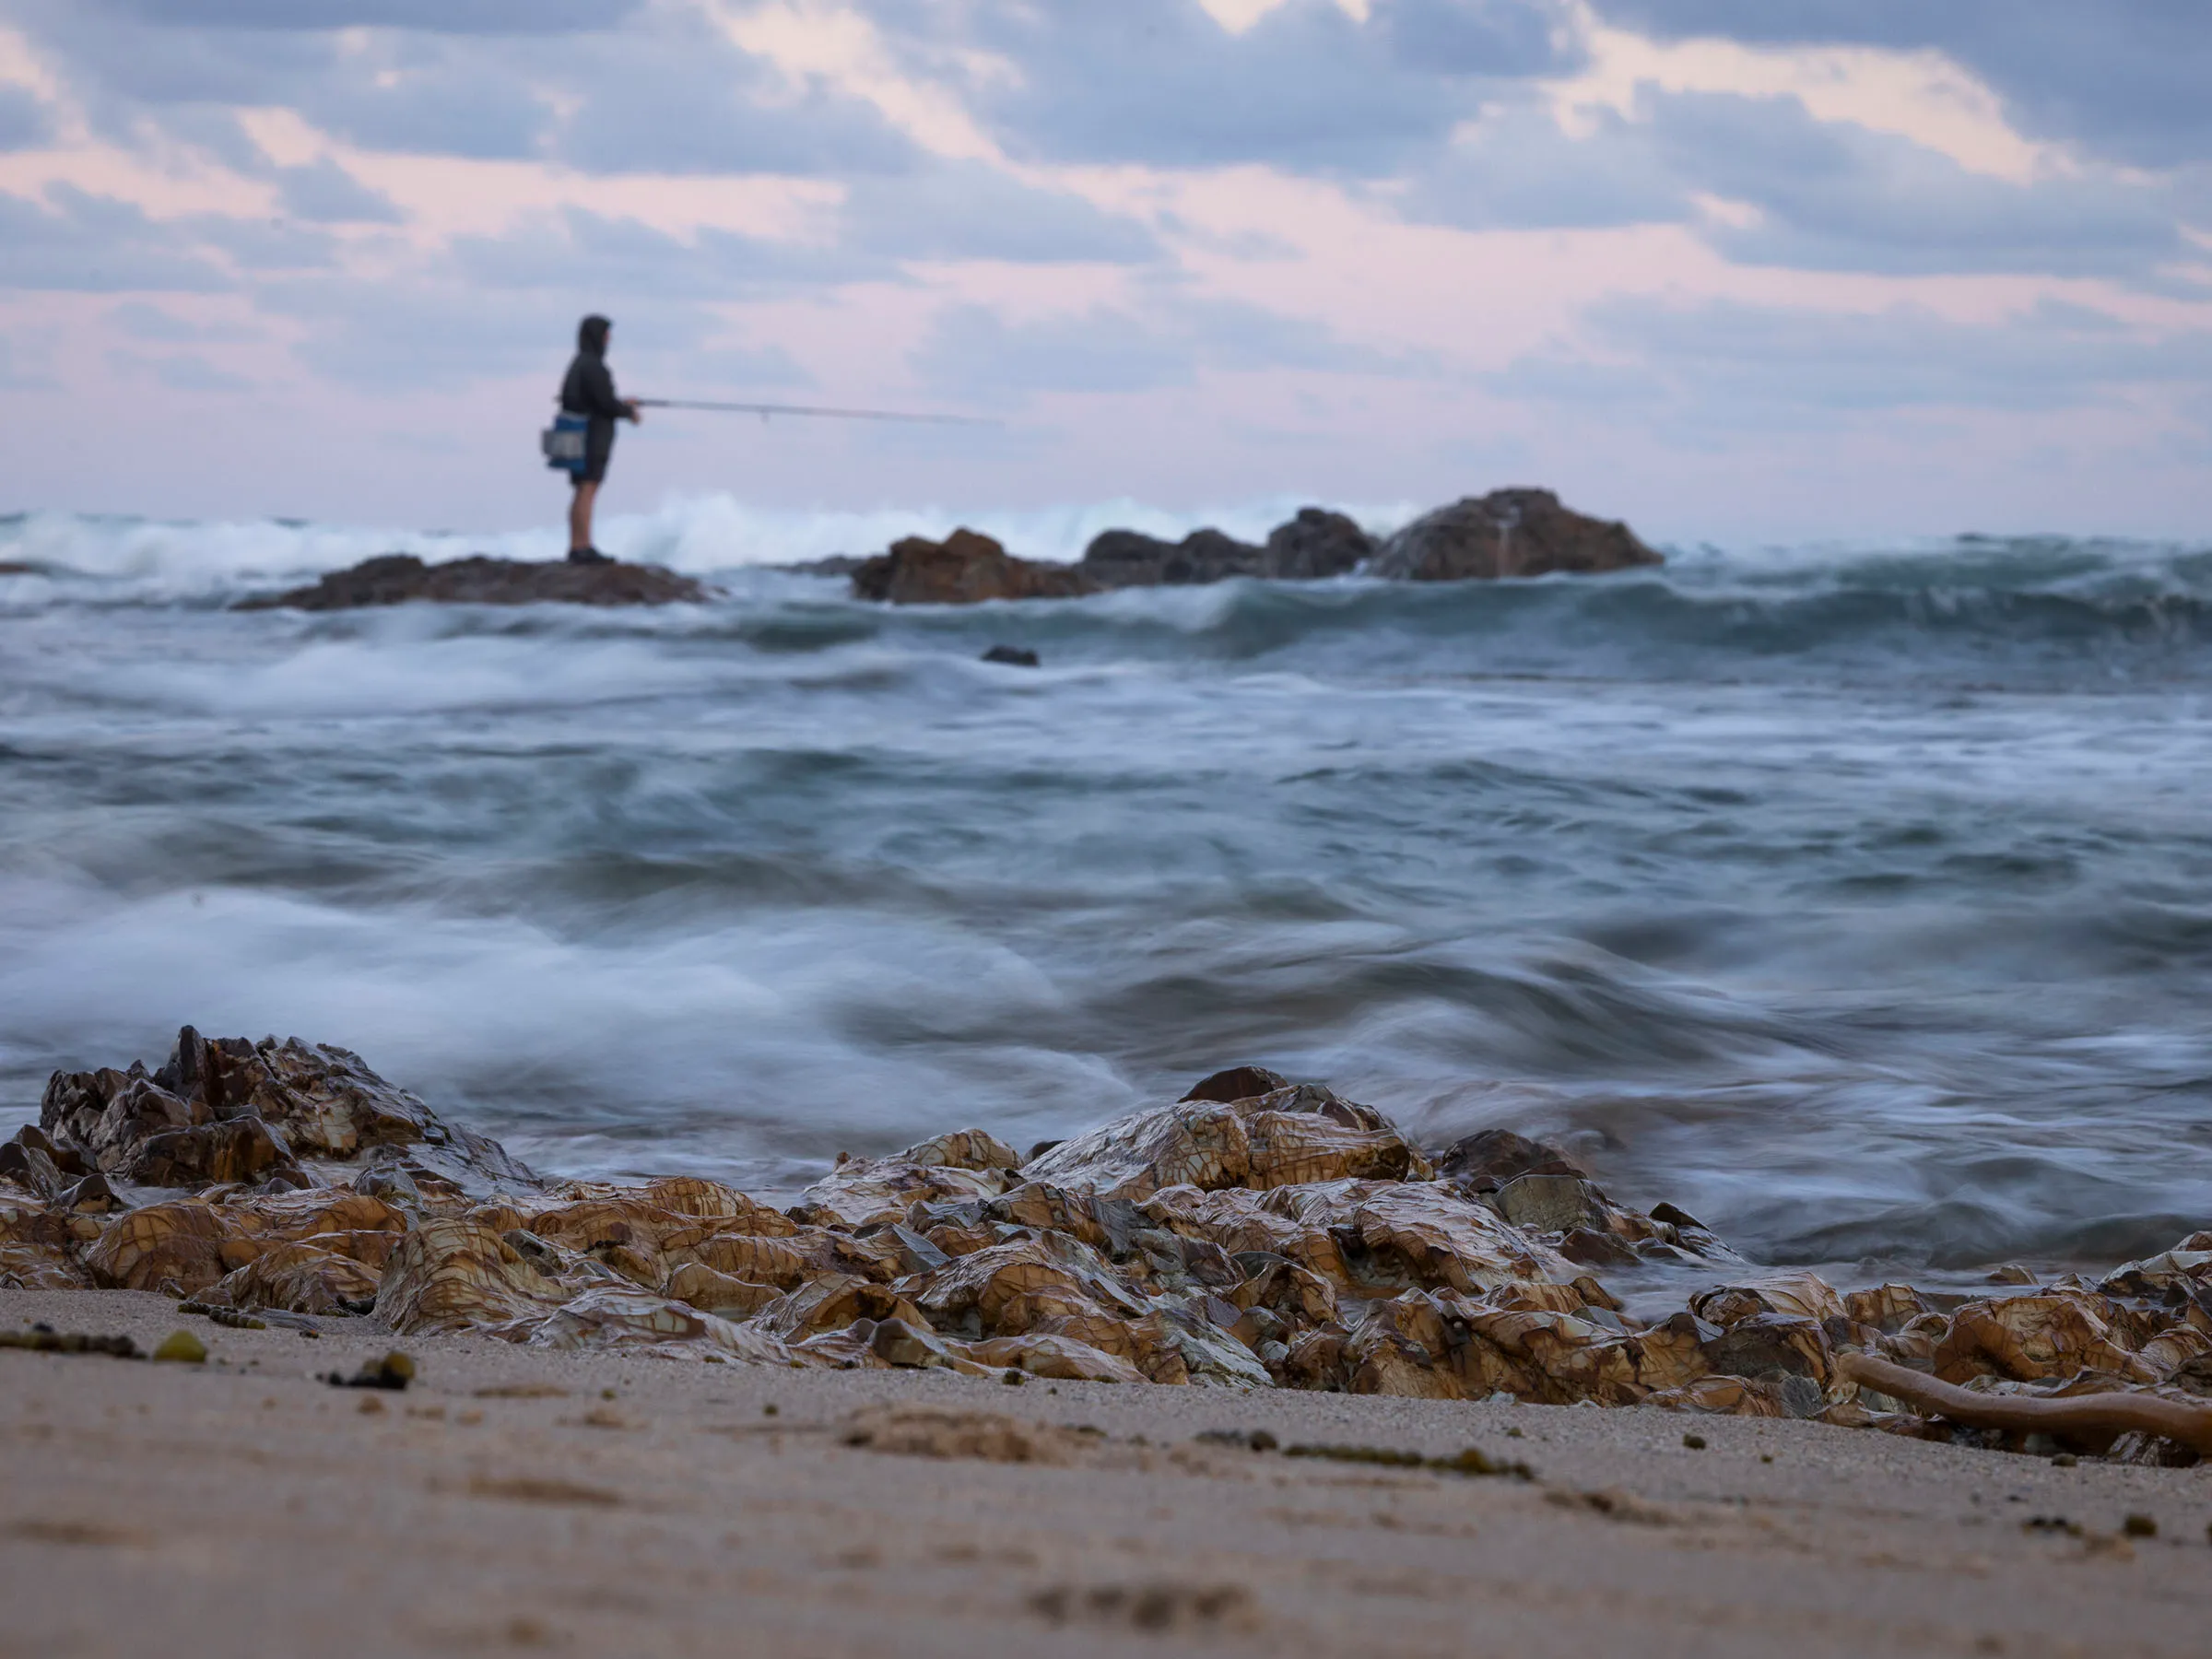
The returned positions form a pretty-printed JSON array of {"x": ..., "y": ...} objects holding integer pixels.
[
  {"x": 964, "y": 569},
  {"x": 402, "y": 579},
  {"x": 1315, "y": 544},
  {"x": 1508, "y": 533},
  {"x": 1257, "y": 1233}
]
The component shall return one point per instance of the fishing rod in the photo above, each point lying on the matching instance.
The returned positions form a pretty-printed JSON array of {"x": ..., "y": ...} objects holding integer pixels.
[{"x": 765, "y": 409}]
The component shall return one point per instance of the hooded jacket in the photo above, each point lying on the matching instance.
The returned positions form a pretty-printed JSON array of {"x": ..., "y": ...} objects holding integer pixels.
[{"x": 588, "y": 389}]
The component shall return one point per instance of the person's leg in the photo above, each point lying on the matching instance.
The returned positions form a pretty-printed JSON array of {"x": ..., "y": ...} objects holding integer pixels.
[{"x": 580, "y": 514}]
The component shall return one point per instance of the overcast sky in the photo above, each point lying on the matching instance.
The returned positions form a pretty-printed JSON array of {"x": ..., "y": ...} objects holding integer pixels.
[{"x": 1730, "y": 268}]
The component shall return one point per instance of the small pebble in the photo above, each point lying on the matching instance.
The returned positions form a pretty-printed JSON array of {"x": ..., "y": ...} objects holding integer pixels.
[
  {"x": 1766, "y": 1457},
  {"x": 2139, "y": 1526},
  {"x": 183, "y": 1347},
  {"x": 2064, "y": 1460},
  {"x": 1514, "y": 1434},
  {"x": 1013, "y": 1376},
  {"x": 607, "y": 1393},
  {"x": 770, "y": 1409},
  {"x": 371, "y": 1406},
  {"x": 1696, "y": 1443}
]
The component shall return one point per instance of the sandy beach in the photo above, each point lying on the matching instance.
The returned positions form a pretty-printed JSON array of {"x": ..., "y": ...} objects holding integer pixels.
[{"x": 515, "y": 1499}]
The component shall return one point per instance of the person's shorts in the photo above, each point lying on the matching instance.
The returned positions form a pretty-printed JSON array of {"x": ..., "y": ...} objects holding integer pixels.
[{"x": 598, "y": 450}]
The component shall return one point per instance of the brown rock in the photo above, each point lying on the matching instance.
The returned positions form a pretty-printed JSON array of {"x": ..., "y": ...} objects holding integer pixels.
[
  {"x": 1508, "y": 533},
  {"x": 402, "y": 579},
  {"x": 964, "y": 569}
]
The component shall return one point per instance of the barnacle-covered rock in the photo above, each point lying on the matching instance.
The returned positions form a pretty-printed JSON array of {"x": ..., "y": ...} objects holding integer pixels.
[{"x": 967, "y": 1164}]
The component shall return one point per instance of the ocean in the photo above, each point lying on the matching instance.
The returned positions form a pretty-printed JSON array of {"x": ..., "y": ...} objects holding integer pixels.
[{"x": 1857, "y": 899}]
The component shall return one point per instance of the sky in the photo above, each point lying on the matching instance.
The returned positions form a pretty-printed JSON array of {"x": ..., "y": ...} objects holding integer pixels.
[{"x": 1731, "y": 269}]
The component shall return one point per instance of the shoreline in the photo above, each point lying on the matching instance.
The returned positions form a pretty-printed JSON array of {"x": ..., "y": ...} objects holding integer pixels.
[{"x": 518, "y": 1500}]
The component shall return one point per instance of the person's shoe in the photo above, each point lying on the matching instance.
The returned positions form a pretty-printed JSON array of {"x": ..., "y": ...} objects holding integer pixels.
[{"x": 588, "y": 556}]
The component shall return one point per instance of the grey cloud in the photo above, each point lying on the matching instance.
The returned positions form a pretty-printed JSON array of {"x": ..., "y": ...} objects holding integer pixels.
[
  {"x": 1518, "y": 169},
  {"x": 139, "y": 320},
  {"x": 25, "y": 121},
  {"x": 1835, "y": 195},
  {"x": 574, "y": 251},
  {"x": 256, "y": 245},
  {"x": 968, "y": 211},
  {"x": 76, "y": 240},
  {"x": 179, "y": 370},
  {"x": 443, "y": 17},
  {"x": 972, "y": 351},
  {"x": 2123, "y": 78},
  {"x": 1736, "y": 364},
  {"x": 681, "y": 98},
  {"x": 325, "y": 193},
  {"x": 1158, "y": 81}
]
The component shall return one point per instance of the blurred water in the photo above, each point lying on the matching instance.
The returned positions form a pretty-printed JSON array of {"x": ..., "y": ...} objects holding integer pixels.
[{"x": 1854, "y": 899}]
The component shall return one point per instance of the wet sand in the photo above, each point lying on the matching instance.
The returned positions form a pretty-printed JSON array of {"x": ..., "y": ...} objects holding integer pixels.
[{"x": 517, "y": 1499}]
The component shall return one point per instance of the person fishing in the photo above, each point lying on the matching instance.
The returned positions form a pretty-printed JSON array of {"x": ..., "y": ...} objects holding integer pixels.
[{"x": 589, "y": 391}]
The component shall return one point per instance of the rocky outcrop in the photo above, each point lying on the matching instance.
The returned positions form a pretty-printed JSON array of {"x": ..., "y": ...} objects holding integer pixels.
[
  {"x": 1508, "y": 533},
  {"x": 966, "y": 568},
  {"x": 1315, "y": 545},
  {"x": 402, "y": 579},
  {"x": 1258, "y": 1233}
]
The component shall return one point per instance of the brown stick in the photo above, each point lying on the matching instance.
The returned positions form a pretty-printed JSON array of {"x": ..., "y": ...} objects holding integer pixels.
[{"x": 2082, "y": 1414}]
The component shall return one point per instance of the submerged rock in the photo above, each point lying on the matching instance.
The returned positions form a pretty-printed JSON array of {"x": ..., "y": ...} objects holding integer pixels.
[
  {"x": 1508, "y": 533},
  {"x": 402, "y": 579}
]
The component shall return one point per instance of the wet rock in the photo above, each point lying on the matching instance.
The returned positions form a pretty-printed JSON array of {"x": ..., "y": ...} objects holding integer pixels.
[
  {"x": 1118, "y": 559},
  {"x": 228, "y": 1110},
  {"x": 964, "y": 569},
  {"x": 1772, "y": 1345},
  {"x": 1485, "y": 1161},
  {"x": 458, "y": 1276},
  {"x": 1291, "y": 1136},
  {"x": 879, "y": 1191},
  {"x": 2028, "y": 1337},
  {"x": 1508, "y": 533},
  {"x": 1012, "y": 656},
  {"x": 1546, "y": 1202},
  {"x": 604, "y": 1318},
  {"x": 1315, "y": 545},
  {"x": 297, "y": 1278},
  {"x": 402, "y": 579}
]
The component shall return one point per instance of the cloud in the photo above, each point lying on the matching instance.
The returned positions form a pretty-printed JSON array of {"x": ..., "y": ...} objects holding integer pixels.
[
  {"x": 324, "y": 193},
  {"x": 1835, "y": 195},
  {"x": 972, "y": 351},
  {"x": 26, "y": 122},
  {"x": 178, "y": 371},
  {"x": 86, "y": 243},
  {"x": 1308, "y": 87},
  {"x": 443, "y": 17},
  {"x": 968, "y": 211},
  {"x": 1518, "y": 169},
  {"x": 578, "y": 252},
  {"x": 2125, "y": 78},
  {"x": 135, "y": 319},
  {"x": 1731, "y": 364}
]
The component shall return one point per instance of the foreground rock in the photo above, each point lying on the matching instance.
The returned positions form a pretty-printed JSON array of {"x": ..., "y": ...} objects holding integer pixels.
[
  {"x": 1258, "y": 1233},
  {"x": 1507, "y": 533},
  {"x": 402, "y": 579}
]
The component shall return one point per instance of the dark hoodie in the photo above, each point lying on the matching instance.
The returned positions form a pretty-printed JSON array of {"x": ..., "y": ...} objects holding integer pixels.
[{"x": 588, "y": 389}]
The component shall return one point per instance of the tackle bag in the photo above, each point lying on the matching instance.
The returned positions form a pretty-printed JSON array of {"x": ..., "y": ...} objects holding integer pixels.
[{"x": 563, "y": 443}]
